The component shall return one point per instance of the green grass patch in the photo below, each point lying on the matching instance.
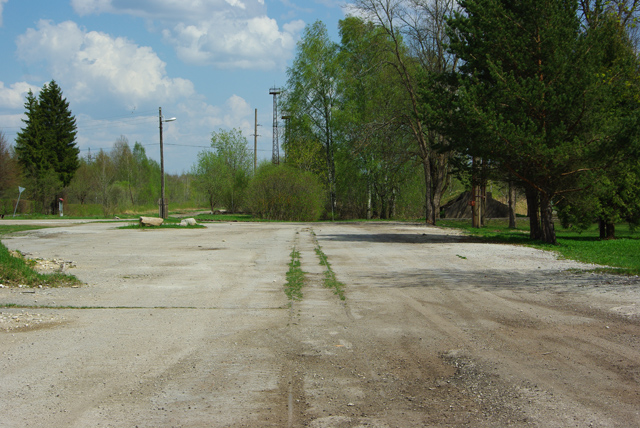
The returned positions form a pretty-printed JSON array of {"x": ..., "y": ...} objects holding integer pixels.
[
  {"x": 16, "y": 271},
  {"x": 7, "y": 229},
  {"x": 229, "y": 217},
  {"x": 621, "y": 255},
  {"x": 167, "y": 224},
  {"x": 330, "y": 280},
  {"x": 295, "y": 277}
]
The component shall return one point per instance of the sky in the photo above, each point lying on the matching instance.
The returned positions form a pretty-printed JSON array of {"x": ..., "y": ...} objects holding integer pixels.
[{"x": 208, "y": 63}]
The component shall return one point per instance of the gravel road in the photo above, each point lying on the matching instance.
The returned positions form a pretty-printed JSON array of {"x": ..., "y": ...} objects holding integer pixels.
[{"x": 192, "y": 328}]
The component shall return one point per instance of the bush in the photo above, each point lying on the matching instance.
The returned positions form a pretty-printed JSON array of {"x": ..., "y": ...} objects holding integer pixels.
[
  {"x": 280, "y": 192},
  {"x": 24, "y": 207},
  {"x": 83, "y": 210}
]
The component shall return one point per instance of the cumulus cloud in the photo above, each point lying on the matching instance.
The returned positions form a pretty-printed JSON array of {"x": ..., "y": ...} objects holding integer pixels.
[
  {"x": 15, "y": 95},
  {"x": 2, "y": 2},
  {"x": 89, "y": 64},
  {"x": 223, "y": 33}
]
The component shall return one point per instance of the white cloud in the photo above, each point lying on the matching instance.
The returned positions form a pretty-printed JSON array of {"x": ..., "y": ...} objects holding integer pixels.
[
  {"x": 14, "y": 96},
  {"x": 1, "y": 8},
  {"x": 93, "y": 64},
  {"x": 223, "y": 33}
]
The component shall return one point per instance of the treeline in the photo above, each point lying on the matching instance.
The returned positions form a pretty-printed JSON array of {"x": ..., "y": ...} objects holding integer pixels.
[
  {"x": 105, "y": 183},
  {"x": 125, "y": 178},
  {"x": 541, "y": 94}
]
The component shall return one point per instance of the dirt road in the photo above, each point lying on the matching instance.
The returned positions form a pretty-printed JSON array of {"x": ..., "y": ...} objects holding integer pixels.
[{"x": 192, "y": 328}]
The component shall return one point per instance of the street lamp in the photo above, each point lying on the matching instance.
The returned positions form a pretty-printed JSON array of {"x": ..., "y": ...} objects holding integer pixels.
[{"x": 163, "y": 207}]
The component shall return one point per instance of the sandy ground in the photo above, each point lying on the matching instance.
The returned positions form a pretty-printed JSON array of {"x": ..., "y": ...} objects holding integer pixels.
[{"x": 192, "y": 328}]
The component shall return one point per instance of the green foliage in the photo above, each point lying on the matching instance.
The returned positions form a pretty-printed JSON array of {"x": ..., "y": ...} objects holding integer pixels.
[
  {"x": 621, "y": 255},
  {"x": 311, "y": 99},
  {"x": 223, "y": 175},
  {"x": 210, "y": 173},
  {"x": 124, "y": 180},
  {"x": 540, "y": 96},
  {"x": 280, "y": 192},
  {"x": 9, "y": 170},
  {"x": 227, "y": 217},
  {"x": 374, "y": 156},
  {"x": 16, "y": 271},
  {"x": 295, "y": 277},
  {"x": 165, "y": 225},
  {"x": 330, "y": 279},
  {"x": 46, "y": 146}
]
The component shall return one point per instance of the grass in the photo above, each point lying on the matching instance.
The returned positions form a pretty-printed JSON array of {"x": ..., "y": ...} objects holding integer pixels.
[
  {"x": 6, "y": 229},
  {"x": 621, "y": 255},
  {"x": 164, "y": 226},
  {"x": 330, "y": 280},
  {"x": 229, "y": 217},
  {"x": 295, "y": 277},
  {"x": 16, "y": 271}
]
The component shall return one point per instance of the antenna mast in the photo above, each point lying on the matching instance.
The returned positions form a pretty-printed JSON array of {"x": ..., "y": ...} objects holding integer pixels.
[{"x": 275, "y": 158}]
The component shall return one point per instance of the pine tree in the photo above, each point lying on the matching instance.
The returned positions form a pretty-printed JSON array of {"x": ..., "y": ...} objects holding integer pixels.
[
  {"x": 60, "y": 131},
  {"x": 46, "y": 146},
  {"x": 540, "y": 95}
]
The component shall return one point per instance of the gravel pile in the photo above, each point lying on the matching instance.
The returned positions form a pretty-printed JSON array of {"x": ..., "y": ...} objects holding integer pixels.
[{"x": 10, "y": 321}]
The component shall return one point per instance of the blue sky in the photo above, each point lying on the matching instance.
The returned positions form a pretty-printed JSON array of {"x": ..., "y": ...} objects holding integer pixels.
[{"x": 209, "y": 63}]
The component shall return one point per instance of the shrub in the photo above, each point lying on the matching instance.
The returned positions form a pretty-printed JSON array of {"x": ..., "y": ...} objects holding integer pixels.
[{"x": 280, "y": 192}]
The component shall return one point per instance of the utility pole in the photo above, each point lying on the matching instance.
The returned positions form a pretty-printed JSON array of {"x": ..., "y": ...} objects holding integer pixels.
[
  {"x": 163, "y": 206},
  {"x": 255, "y": 145},
  {"x": 275, "y": 157},
  {"x": 163, "y": 214}
]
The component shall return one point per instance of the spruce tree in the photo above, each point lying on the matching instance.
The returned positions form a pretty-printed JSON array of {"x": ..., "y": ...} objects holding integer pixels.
[
  {"x": 539, "y": 95},
  {"x": 46, "y": 146}
]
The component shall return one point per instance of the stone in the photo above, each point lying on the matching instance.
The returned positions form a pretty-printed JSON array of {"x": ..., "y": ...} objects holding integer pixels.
[
  {"x": 188, "y": 222},
  {"x": 151, "y": 221}
]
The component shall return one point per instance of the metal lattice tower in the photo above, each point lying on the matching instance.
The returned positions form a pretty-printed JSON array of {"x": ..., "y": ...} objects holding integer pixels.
[{"x": 276, "y": 147}]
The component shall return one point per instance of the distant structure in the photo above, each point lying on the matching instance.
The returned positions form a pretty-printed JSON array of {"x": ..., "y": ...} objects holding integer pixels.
[{"x": 275, "y": 158}]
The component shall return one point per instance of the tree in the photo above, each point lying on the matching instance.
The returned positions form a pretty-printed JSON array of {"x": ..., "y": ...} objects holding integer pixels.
[
  {"x": 81, "y": 185},
  {"x": 103, "y": 173},
  {"x": 126, "y": 171},
  {"x": 47, "y": 144},
  {"x": 146, "y": 176},
  {"x": 541, "y": 97},
  {"x": 223, "y": 175},
  {"x": 374, "y": 154},
  {"x": 232, "y": 147},
  {"x": 312, "y": 95},
  {"x": 210, "y": 175},
  {"x": 8, "y": 168},
  {"x": 281, "y": 192},
  {"x": 418, "y": 32}
]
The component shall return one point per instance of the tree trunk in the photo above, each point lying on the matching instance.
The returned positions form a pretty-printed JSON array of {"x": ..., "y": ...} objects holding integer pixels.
[
  {"x": 611, "y": 231},
  {"x": 512, "y": 205},
  {"x": 546, "y": 217},
  {"x": 428, "y": 204},
  {"x": 533, "y": 209},
  {"x": 331, "y": 170},
  {"x": 607, "y": 230},
  {"x": 383, "y": 207},
  {"x": 439, "y": 174},
  {"x": 483, "y": 201},
  {"x": 392, "y": 205},
  {"x": 369, "y": 197}
]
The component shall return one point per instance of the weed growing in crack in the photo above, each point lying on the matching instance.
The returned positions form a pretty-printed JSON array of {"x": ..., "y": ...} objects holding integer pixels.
[
  {"x": 295, "y": 277},
  {"x": 330, "y": 280}
]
